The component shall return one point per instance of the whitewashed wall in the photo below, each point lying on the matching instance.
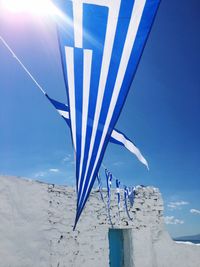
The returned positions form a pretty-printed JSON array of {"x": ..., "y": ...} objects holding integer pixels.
[{"x": 36, "y": 221}]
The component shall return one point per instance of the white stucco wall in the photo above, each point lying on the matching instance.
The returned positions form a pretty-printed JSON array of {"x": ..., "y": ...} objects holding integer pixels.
[{"x": 36, "y": 221}]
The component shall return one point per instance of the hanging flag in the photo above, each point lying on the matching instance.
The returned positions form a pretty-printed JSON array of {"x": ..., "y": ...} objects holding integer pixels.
[
  {"x": 117, "y": 137},
  {"x": 118, "y": 193},
  {"x": 100, "y": 186},
  {"x": 125, "y": 202},
  {"x": 109, "y": 184},
  {"x": 131, "y": 195},
  {"x": 118, "y": 197},
  {"x": 62, "y": 109},
  {"x": 101, "y": 42}
]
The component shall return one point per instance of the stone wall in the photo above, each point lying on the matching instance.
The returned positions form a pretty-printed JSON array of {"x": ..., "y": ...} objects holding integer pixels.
[{"x": 36, "y": 221}]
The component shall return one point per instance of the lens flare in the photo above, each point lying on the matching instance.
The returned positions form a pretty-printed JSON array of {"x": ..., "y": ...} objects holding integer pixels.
[{"x": 34, "y": 7}]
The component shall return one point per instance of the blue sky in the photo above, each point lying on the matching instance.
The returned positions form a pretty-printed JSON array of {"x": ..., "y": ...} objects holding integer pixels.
[{"x": 161, "y": 114}]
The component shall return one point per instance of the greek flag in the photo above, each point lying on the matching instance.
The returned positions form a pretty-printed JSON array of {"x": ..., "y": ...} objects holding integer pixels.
[
  {"x": 118, "y": 193},
  {"x": 125, "y": 202},
  {"x": 62, "y": 109},
  {"x": 109, "y": 184},
  {"x": 101, "y": 42},
  {"x": 100, "y": 187},
  {"x": 116, "y": 137},
  {"x": 131, "y": 195}
]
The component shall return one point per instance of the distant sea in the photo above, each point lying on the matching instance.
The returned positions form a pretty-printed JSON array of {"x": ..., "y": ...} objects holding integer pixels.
[{"x": 192, "y": 241}]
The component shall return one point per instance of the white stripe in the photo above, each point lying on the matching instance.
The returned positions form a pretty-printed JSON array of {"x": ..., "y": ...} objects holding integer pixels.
[
  {"x": 87, "y": 64},
  {"x": 69, "y": 54},
  {"x": 130, "y": 40},
  {"x": 78, "y": 28},
  {"x": 130, "y": 146},
  {"x": 107, "y": 52},
  {"x": 63, "y": 113}
]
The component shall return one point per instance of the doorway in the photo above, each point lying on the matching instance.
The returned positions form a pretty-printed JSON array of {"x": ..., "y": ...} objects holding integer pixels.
[{"x": 120, "y": 246}]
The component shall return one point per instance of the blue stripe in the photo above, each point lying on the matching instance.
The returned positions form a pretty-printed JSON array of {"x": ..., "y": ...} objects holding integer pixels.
[{"x": 58, "y": 105}]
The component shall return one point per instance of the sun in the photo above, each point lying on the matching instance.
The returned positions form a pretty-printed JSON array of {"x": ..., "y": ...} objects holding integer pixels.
[{"x": 34, "y": 7}]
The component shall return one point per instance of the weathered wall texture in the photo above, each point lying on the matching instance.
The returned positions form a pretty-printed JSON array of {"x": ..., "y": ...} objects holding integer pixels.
[{"x": 36, "y": 222}]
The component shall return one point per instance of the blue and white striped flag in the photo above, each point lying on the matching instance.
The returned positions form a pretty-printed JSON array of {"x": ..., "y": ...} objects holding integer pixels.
[
  {"x": 131, "y": 195},
  {"x": 109, "y": 184},
  {"x": 101, "y": 42},
  {"x": 100, "y": 186},
  {"x": 125, "y": 202},
  {"x": 116, "y": 137},
  {"x": 118, "y": 193},
  {"x": 62, "y": 109}
]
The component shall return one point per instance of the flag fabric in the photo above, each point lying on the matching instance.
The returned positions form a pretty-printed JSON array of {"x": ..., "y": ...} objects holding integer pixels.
[
  {"x": 131, "y": 195},
  {"x": 62, "y": 109},
  {"x": 100, "y": 186},
  {"x": 118, "y": 193},
  {"x": 119, "y": 138},
  {"x": 126, "y": 203},
  {"x": 109, "y": 184},
  {"x": 116, "y": 137},
  {"x": 101, "y": 42}
]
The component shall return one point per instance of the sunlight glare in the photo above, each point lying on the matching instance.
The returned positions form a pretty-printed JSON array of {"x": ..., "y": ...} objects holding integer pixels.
[{"x": 34, "y": 7}]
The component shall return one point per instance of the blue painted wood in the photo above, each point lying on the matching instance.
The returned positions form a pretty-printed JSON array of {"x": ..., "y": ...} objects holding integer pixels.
[{"x": 116, "y": 248}]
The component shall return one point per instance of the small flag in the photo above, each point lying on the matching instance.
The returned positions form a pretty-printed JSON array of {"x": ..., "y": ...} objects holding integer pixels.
[
  {"x": 109, "y": 184},
  {"x": 125, "y": 202},
  {"x": 100, "y": 187},
  {"x": 118, "y": 193},
  {"x": 131, "y": 195}
]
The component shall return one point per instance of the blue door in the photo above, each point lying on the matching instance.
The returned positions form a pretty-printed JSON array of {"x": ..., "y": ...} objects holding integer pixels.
[{"x": 116, "y": 248}]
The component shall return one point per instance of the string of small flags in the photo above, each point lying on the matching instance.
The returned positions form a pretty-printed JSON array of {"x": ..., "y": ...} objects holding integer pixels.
[{"x": 128, "y": 193}]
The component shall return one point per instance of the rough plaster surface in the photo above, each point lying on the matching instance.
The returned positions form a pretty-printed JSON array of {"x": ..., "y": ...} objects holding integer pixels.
[{"x": 36, "y": 221}]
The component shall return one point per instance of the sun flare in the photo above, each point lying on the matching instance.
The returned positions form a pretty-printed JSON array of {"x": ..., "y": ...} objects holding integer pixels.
[{"x": 34, "y": 7}]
